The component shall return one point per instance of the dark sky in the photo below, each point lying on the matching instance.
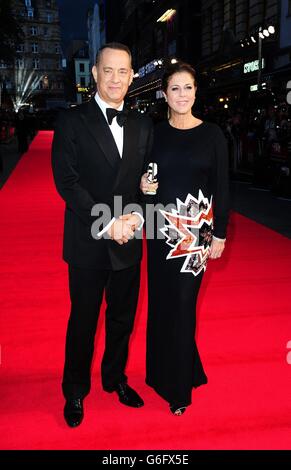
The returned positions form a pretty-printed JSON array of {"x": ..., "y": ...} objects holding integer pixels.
[{"x": 73, "y": 15}]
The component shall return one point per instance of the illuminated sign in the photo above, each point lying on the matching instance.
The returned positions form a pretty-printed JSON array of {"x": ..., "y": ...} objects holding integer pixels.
[
  {"x": 141, "y": 72},
  {"x": 82, "y": 89},
  {"x": 253, "y": 66},
  {"x": 167, "y": 15},
  {"x": 256, "y": 87},
  {"x": 148, "y": 68}
]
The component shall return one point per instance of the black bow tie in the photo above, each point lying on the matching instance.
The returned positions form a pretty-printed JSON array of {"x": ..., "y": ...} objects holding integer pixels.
[{"x": 121, "y": 116}]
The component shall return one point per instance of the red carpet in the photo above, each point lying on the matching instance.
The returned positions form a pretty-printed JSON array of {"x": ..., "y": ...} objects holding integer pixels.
[{"x": 244, "y": 327}]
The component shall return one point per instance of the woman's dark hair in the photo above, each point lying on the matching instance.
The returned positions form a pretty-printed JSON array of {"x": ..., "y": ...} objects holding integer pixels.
[
  {"x": 113, "y": 45},
  {"x": 177, "y": 68}
]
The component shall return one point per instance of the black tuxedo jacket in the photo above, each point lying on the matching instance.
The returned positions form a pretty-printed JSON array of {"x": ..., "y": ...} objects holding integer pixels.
[{"x": 88, "y": 170}]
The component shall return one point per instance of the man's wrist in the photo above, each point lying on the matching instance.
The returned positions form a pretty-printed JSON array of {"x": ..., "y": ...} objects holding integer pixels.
[
  {"x": 106, "y": 228},
  {"x": 141, "y": 220}
]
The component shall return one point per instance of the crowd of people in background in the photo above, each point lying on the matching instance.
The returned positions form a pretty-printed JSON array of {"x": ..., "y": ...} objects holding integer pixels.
[
  {"x": 21, "y": 127},
  {"x": 260, "y": 146},
  {"x": 259, "y": 140}
]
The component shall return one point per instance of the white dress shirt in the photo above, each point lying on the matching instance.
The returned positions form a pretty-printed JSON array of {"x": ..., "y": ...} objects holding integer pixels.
[
  {"x": 115, "y": 128},
  {"x": 117, "y": 132}
]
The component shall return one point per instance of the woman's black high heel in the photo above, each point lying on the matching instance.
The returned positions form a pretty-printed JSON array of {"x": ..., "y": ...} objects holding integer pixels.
[{"x": 177, "y": 410}]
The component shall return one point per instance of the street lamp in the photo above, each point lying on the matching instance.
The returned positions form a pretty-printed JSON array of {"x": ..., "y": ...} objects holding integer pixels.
[
  {"x": 260, "y": 39},
  {"x": 263, "y": 33}
]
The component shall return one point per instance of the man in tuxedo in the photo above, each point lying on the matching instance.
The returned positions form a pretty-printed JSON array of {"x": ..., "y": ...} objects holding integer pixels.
[{"x": 99, "y": 150}]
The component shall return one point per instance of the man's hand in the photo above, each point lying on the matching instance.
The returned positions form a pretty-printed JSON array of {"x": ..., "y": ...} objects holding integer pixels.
[
  {"x": 132, "y": 219},
  {"x": 216, "y": 249},
  {"x": 121, "y": 231}
]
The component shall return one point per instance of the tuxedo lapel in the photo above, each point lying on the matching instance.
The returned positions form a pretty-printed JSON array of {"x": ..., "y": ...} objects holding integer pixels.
[
  {"x": 96, "y": 124},
  {"x": 130, "y": 147}
]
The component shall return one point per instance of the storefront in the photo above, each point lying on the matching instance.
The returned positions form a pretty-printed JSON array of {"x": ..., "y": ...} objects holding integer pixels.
[
  {"x": 233, "y": 84},
  {"x": 145, "y": 90}
]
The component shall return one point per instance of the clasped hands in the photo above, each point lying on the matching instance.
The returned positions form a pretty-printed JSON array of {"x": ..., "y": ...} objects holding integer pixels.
[{"x": 123, "y": 228}]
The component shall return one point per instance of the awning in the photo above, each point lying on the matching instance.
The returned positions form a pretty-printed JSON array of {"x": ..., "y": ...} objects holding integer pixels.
[{"x": 150, "y": 82}]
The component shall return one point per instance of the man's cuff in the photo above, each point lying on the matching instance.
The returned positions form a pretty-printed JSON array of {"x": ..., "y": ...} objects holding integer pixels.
[
  {"x": 104, "y": 230},
  {"x": 142, "y": 220},
  {"x": 219, "y": 239}
]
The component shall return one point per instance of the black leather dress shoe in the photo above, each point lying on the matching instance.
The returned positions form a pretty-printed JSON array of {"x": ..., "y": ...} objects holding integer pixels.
[
  {"x": 74, "y": 412},
  {"x": 127, "y": 396}
]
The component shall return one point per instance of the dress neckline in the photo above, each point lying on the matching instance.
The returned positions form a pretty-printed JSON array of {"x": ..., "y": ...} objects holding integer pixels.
[{"x": 188, "y": 129}]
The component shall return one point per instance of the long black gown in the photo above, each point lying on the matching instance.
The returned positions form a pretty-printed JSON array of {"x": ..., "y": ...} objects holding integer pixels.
[{"x": 193, "y": 177}]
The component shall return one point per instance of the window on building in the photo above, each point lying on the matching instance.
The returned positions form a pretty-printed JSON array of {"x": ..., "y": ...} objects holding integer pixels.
[
  {"x": 3, "y": 65},
  {"x": 19, "y": 62},
  {"x": 33, "y": 30},
  {"x": 81, "y": 67},
  {"x": 45, "y": 31},
  {"x": 82, "y": 82},
  {"x": 57, "y": 49},
  {"x": 34, "y": 47},
  {"x": 45, "y": 82},
  {"x": 20, "y": 48},
  {"x": 28, "y": 3},
  {"x": 35, "y": 63},
  {"x": 30, "y": 13},
  {"x": 49, "y": 17}
]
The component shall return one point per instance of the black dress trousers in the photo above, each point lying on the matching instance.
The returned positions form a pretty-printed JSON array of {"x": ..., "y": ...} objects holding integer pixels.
[{"x": 86, "y": 291}]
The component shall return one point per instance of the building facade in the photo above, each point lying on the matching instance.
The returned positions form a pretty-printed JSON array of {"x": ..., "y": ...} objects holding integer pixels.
[
  {"x": 236, "y": 58},
  {"x": 82, "y": 76},
  {"x": 156, "y": 33},
  {"x": 285, "y": 34},
  {"x": 36, "y": 77},
  {"x": 114, "y": 21},
  {"x": 96, "y": 29},
  {"x": 163, "y": 28},
  {"x": 78, "y": 72}
]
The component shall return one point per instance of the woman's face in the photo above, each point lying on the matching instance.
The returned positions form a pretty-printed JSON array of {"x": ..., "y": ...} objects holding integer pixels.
[{"x": 181, "y": 92}]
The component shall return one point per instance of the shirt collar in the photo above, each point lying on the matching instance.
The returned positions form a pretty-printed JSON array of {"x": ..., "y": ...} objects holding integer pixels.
[{"x": 103, "y": 105}]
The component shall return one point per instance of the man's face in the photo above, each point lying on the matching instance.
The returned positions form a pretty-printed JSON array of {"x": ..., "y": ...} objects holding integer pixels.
[{"x": 113, "y": 75}]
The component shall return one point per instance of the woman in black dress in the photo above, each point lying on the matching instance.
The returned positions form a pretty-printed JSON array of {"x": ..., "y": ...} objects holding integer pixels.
[{"x": 193, "y": 177}]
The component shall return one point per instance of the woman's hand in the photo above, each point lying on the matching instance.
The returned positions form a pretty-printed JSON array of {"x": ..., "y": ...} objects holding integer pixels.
[
  {"x": 216, "y": 249},
  {"x": 145, "y": 186}
]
